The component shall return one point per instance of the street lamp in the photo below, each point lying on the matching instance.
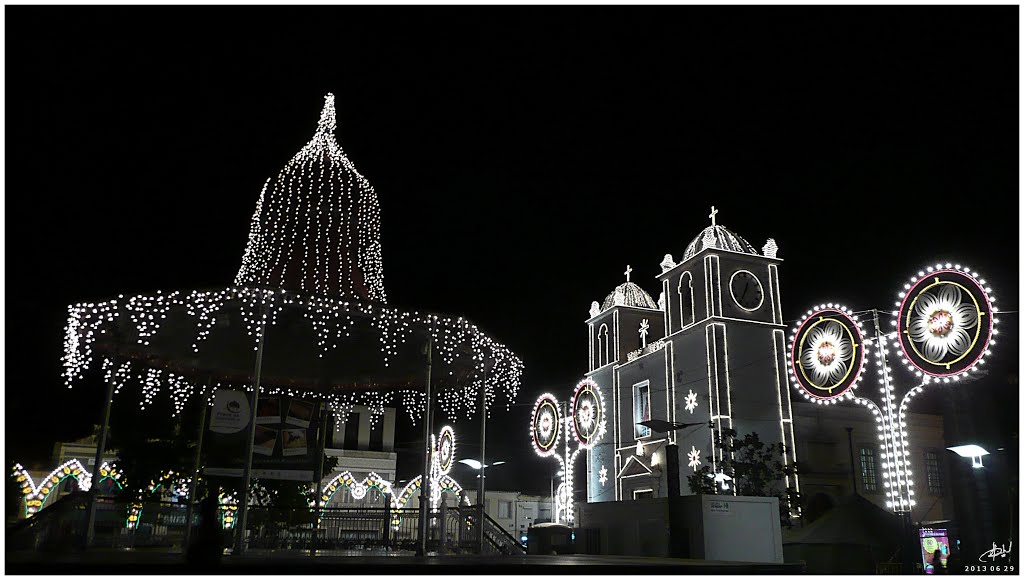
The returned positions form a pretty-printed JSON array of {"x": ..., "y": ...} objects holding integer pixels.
[
  {"x": 659, "y": 426},
  {"x": 975, "y": 452},
  {"x": 473, "y": 463}
]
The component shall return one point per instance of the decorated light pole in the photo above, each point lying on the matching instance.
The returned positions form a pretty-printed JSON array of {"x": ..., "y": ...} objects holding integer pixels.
[
  {"x": 943, "y": 325},
  {"x": 583, "y": 420}
]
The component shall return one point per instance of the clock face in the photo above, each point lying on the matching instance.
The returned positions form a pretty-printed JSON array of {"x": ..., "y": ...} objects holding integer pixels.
[{"x": 746, "y": 290}]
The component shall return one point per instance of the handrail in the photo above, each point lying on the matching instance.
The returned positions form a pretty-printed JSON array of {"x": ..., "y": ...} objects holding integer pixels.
[
  {"x": 497, "y": 537},
  {"x": 270, "y": 527},
  {"x": 508, "y": 538}
]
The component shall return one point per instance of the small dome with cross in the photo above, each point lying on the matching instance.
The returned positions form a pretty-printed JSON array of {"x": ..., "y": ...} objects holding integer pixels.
[
  {"x": 716, "y": 236},
  {"x": 629, "y": 294}
]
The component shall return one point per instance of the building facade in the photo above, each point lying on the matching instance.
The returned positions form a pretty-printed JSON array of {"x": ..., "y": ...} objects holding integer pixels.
[
  {"x": 516, "y": 512},
  {"x": 711, "y": 350},
  {"x": 362, "y": 447},
  {"x": 828, "y": 472}
]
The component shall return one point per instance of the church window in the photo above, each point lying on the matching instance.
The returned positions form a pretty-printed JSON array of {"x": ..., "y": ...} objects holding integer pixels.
[
  {"x": 685, "y": 300},
  {"x": 868, "y": 471},
  {"x": 641, "y": 408},
  {"x": 602, "y": 346},
  {"x": 933, "y": 469}
]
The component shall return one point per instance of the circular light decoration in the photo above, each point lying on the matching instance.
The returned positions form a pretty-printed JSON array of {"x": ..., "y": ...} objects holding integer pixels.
[
  {"x": 545, "y": 425},
  {"x": 588, "y": 413},
  {"x": 446, "y": 449},
  {"x": 827, "y": 353},
  {"x": 945, "y": 321}
]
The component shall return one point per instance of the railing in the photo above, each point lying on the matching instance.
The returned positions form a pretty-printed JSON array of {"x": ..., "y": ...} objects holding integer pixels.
[
  {"x": 49, "y": 528},
  {"x": 462, "y": 530},
  {"x": 162, "y": 525},
  {"x": 61, "y": 526}
]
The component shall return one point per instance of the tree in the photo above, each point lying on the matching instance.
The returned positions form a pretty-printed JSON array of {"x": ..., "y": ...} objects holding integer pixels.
[
  {"x": 151, "y": 441},
  {"x": 754, "y": 467}
]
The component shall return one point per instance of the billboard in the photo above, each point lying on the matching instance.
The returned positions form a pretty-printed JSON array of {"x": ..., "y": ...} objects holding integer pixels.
[
  {"x": 286, "y": 442},
  {"x": 933, "y": 539}
]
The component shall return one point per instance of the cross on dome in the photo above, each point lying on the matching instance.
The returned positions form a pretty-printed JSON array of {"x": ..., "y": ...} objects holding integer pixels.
[
  {"x": 712, "y": 215},
  {"x": 628, "y": 270}
]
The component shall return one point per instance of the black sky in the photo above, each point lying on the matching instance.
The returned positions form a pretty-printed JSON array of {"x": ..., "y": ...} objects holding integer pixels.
[{"x": 523, "y": 156}]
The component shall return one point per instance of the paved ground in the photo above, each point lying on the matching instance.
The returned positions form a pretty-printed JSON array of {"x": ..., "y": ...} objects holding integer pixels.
[{"x": 142, "y": 562}]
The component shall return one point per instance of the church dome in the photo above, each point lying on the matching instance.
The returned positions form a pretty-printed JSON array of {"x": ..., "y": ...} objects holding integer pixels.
[
  {"x": 316, "y": 228},
  {"x": 629, "y": 294},
  {"x": 716, "y": 236}
]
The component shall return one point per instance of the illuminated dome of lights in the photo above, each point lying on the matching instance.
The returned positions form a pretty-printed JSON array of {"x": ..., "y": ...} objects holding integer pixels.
[
  {"x": 310, "y": 290},
  {"x": 317, "y": 225},
  {"x": 716, "y": 236},
  {"x": 629, "y": 294}
]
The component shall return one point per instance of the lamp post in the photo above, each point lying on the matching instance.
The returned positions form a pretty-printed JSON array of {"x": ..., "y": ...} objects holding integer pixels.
[
  {"x": 676, "y": 537},
  {"x": 481, "y": 467},
  {"x": 983, "y": 526}
]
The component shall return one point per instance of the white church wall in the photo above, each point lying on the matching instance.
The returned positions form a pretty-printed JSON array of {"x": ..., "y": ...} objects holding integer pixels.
[
  {"x": 629, "y": 338},
  {"x": 690, "y": 362},
  {"x": 752, "y": 377},
  {"x": 649, "y": 369},
  {"x": 603, "y": 454}
]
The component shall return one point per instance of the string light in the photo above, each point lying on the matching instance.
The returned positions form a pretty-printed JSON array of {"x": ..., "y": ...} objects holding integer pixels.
[
  {"x": 313, "y": 249},
  {"x": 316, "y": 202},
  {"x": 827, "y": 353},
  {"x": 943, "y": 323},
  {"x": 35, "y": 496},
  {"x": 587, "y": 424}
]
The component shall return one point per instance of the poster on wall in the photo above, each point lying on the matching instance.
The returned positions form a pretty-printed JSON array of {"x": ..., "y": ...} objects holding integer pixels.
[{"x": 285, "y": 442}]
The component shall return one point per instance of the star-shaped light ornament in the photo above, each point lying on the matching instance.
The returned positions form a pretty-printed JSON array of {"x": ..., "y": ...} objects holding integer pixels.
[
  {"x": 644, "y": 327},
  {"x": 604, "y": 475},
  {"x": 691, "y": 401},
  {"x": 694, "y": 457}
]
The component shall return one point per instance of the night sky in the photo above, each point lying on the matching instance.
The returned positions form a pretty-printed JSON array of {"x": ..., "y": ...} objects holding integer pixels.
[{"x": 523, "y": 156}]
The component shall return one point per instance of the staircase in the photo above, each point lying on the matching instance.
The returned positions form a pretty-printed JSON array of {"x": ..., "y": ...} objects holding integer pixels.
[
  {"x": 462, "y": 531},
  {"x": 59, "y": 526}
]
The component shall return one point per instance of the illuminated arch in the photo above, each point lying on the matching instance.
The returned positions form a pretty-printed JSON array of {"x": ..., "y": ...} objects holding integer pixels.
[
  {"x": 445, "y": 483},
  {"x": 110, "y": 472},
  {"x": 36, "y": 495},
  {"x": 357, "y": 488},
  {"x": 177, "y": 486},
  {"x": 228, "y": 510}
]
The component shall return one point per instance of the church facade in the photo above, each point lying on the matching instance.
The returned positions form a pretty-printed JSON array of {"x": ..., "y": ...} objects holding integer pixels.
[{"x": 710, "y": 352}]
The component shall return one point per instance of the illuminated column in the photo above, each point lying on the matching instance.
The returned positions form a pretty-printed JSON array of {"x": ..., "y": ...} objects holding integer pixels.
[
  {"x": 583, "y": 419},
  {"x": 944, "y": 324}
]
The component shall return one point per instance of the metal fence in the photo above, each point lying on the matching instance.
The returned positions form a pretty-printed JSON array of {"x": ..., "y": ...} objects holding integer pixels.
[{"x": 162, "y": 525}]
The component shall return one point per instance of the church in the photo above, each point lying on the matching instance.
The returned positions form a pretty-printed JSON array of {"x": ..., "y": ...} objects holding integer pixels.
[{"x": 711, "y": 351}]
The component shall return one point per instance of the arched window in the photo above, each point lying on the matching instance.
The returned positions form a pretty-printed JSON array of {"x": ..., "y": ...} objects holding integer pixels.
[
  {"x": 685, "y": 300},
  {"x": 602, "y": 346}
]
